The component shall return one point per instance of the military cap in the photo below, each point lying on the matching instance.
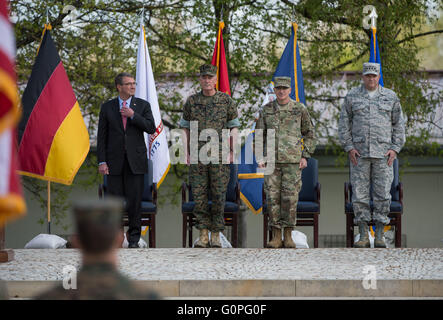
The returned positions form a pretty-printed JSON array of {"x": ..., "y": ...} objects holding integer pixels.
[
  {"x": 106, "y": 212},
  {"x": 208, "y": 69},
  {"x": 371, "y": 68},
  {"x": 282, "y": 82},
  {"x": 98, "y": 223}
]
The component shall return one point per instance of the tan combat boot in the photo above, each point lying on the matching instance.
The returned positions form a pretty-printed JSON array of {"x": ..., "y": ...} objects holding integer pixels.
[
  {"x": 215, "y": 240},
  {"x": 276, "y": 241},
  {"x": 288, "y": 242},
  {"x": 364, "y": 239},
  {"x": 203, "y": 241},
  {"x": 379, "y": 232}
]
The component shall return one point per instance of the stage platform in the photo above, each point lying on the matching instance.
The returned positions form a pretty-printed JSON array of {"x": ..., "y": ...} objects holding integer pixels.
[{"x": 248, "y": 273}]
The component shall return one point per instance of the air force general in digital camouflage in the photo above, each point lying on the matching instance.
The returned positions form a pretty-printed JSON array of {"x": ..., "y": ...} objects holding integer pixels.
[{"x": 372, "y": 131}]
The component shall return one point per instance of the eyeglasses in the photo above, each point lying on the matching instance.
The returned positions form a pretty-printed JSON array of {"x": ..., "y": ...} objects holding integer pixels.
[{"x": 129, "y": 84}]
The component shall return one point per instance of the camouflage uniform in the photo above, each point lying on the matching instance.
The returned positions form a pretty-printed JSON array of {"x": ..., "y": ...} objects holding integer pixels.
[
  {"x": 372, "y": 126},
  {"x": 100, "y": 281},
  {"x": 291, "y": 123},
  {"x": 216, "y": 112},
  {"x": 98, "y": 224}
]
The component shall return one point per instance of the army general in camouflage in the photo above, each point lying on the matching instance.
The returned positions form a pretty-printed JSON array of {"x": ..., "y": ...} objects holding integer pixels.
[
  {"x": 212, "y": 111},
  {"x": 372, "y": 131},
  {"x": 99, "y": 234},
  {"x": 291, "y": 122}
]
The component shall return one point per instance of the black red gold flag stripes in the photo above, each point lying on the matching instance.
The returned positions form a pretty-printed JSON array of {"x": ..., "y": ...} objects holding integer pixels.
[{"x": 53, "y": 139}]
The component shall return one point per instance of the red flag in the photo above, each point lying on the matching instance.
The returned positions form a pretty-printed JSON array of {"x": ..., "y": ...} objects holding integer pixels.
[
  {"x": 219, "y": 60},
  {"x": 12, "y": 203}
]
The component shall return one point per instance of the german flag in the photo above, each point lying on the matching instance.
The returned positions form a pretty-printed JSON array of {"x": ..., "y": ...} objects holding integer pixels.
[
  {"x": 219, "y": 60},
  {"x": 12, "y": 204},
  {"x": 53, "y": 139}
]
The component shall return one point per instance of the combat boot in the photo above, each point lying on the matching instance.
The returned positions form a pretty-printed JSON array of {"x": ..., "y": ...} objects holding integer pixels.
[
  {"x": 288, "y": 243},
  {"x": 203, "y": 241},
  {"x": 364, "y": 239},
  {"x": 276, "y": 241},
  {"x": 379, "y": 232},
  {"x": 215, "y": 240}
]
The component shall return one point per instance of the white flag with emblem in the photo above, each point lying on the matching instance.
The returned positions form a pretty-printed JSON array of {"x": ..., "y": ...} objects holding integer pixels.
[{"x": 156, "y": 143}]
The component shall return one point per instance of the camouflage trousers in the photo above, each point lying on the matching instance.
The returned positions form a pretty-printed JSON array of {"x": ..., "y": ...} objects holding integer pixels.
[
  {"x": 376, "y": 172},
  {"x": 213, "y": 179},
  {"x": 282, "y": 188}
]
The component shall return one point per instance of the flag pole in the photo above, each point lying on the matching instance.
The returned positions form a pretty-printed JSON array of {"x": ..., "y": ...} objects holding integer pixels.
[
  {"x": 295, "y": 27},
  {"x": 49, "y": 207},
  {"x": 6, "y": 255},
  {"x": 142, "y": 15}
]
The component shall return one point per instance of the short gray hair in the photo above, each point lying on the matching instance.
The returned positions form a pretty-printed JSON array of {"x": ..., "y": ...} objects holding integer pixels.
[{"x": 119, "y": 78}]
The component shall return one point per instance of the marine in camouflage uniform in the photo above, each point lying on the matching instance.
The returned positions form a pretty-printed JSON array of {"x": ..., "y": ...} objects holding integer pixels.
[
  {"x": 291, "y": 123},
  {"x": 99, "y": 233},
  {"x": 216, "y": 111},
  {"x": 100, "y": 281},
  {"x": 372, "y": 127}
]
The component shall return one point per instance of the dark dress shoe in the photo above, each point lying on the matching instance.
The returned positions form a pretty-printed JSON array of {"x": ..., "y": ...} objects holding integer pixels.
[{"x": 133, "y": 245}]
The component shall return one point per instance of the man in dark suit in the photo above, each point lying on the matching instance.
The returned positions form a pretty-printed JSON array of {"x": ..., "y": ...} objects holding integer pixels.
[{"x": 121, "y": 148}]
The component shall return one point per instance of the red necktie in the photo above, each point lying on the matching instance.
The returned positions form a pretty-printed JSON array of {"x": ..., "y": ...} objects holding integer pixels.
[{"x": 123, "y": 117}]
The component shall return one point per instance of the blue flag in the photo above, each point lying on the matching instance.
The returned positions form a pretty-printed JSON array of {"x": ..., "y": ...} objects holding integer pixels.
[
  {"x": 290, "y": 66},
  {"x": 374, "y": 55},
  {"x": 251, "y": 182}
]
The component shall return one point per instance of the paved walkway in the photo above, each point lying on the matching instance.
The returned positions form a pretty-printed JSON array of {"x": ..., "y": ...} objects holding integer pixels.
[{"x": 251, "y": 272}]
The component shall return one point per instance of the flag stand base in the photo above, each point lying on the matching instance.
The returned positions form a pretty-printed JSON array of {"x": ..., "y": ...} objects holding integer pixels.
[{"x": 6, "y": 255}]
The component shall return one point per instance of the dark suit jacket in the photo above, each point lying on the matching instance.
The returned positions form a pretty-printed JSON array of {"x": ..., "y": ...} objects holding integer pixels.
[{"x": 113, "y": 140}]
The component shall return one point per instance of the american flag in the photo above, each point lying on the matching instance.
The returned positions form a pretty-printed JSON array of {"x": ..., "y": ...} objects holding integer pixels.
[{"x": 12, "y": 204}]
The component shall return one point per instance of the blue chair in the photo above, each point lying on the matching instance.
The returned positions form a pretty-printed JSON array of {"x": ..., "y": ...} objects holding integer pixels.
[
  {"x": 232, "y": 207},
  {"x": 395, "y": 214},
  {"x": 148, "y": 206},
  {"x": 308, "y": 206}
]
